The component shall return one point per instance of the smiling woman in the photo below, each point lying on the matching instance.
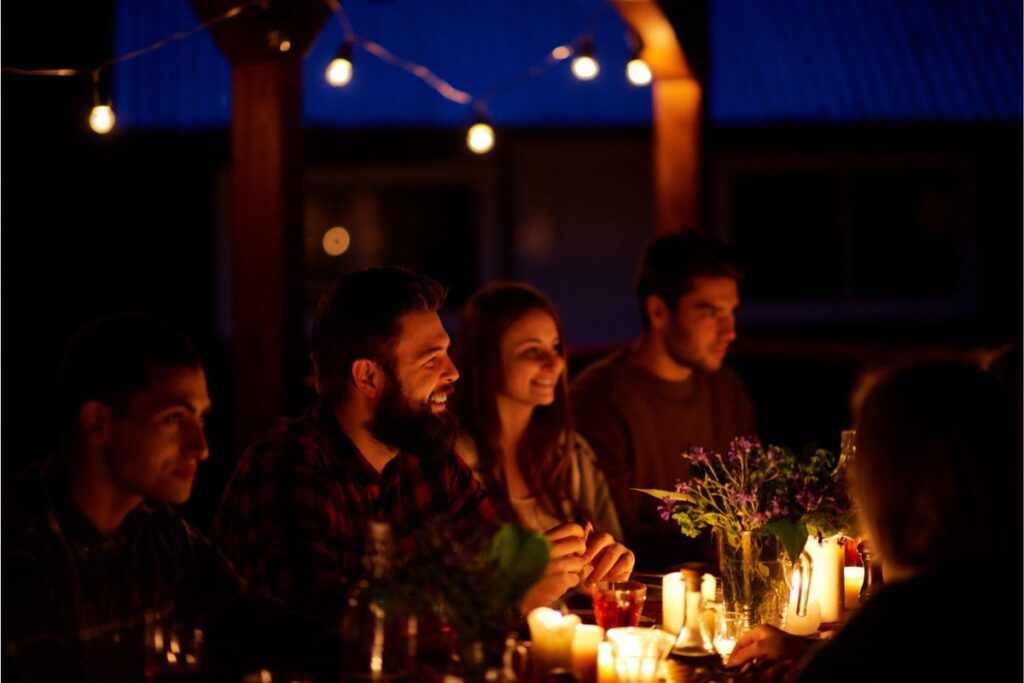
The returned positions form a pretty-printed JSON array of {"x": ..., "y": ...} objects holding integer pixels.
[{"x": 518, "y": 438}]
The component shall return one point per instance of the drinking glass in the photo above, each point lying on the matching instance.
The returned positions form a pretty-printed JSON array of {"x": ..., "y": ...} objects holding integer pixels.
[
  {"x": 618, "y": 603},
  {"x": 729, "y": 628}
]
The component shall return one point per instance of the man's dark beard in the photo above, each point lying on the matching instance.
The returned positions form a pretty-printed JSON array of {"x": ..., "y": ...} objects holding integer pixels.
[{"x": 416, "y": 431}]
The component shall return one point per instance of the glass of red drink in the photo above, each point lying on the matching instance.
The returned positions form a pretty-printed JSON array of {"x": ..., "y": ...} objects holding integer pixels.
[{"x": 618, "y": 603}]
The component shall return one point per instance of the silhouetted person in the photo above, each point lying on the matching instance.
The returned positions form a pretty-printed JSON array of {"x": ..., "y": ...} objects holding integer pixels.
[{"x": 937, "y": 478}]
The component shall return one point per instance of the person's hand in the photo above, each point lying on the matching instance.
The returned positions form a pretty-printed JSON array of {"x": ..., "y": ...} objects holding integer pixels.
[
  {"x": 564, "y": 566},
  {"x": 610, "y": 561},
  {"x": 767, "y": 642}
]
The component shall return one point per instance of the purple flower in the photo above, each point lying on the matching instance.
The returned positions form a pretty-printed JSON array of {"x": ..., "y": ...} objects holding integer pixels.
[
  {"x": 773, "y": 455},
  {"x": 805, "y": 498},
  {"x": 747, "y": 442},
  {"x": 697, "y": 455},
  {"x": 778, "y": 507},
  {"x": 682, "y": 487},
  {"x": 760, "y": 518},
  {"x": 665, "y": 510},
  {"x": 742, "y": 498}
]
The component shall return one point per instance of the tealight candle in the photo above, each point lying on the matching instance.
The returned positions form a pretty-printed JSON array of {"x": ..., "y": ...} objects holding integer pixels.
[
  {"x": 638, "y": 652},
  {"x": 585, "y": 641},
  {"x": 551, "y": 634},
  {"x": 853, "y": 579},
  {"x": 672, "y": 591}
]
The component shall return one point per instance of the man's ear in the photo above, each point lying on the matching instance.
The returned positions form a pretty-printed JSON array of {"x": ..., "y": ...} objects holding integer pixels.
[
  {"x": 94, "y": 418},
  {"x": 657, "y": 311},
  {"x": 368, "y": 377}
]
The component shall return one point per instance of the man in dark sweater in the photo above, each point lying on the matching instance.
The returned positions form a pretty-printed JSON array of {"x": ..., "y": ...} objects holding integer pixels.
[
  {"x": 641, "y": 405},
  {"x": 101, "y": 579}
]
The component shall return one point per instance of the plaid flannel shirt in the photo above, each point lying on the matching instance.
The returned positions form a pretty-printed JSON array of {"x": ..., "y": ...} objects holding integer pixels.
[
  {"x": 294, "y": 513},
  {"x": 76, "y": 602}
]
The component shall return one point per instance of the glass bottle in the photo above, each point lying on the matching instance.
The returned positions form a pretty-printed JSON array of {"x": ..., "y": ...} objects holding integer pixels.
[
  {"x": 378, "y": 633},
  {"x": 694, "y": 637}
]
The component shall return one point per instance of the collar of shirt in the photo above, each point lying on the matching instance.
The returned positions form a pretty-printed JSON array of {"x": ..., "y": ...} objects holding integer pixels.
[{"x": 334, "y": 440}]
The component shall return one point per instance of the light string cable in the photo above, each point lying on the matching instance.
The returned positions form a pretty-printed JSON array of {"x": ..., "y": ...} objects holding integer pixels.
[
  {"x": 156, "y": 45},
  {"x": 444, "y": 88}
]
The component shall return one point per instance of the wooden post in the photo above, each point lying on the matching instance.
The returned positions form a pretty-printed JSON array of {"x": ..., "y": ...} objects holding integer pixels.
[
  {"x": 267, "y": 195},
  {"x": 266, "y": 241},
  {"x": 676, "y": 104}
]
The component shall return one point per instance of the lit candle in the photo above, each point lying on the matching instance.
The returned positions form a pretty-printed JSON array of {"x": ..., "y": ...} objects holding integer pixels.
[
  {"x": 853, "y": 578},
  {"x": 585, "y": 641},
  {"x": 707, "y": 587},
  {"x": 605, "y": 663},
  {"x": 827, "y": 579},
  {"x": 638, "y": 652},
  {"x": 806, "y": 625},
  {"x": 672, "y": 591},
  {"x": 551, "y": 634}
]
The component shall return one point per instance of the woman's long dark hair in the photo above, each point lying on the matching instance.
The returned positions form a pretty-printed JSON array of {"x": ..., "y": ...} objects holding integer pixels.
[{"x": 541, "y": 454}]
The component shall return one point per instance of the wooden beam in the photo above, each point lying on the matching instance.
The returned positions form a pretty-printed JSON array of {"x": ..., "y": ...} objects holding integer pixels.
[
  {"x": 676, "y": 105},
  {"x": 267, "y": 201},
  {"x": 266, "y": 241}
]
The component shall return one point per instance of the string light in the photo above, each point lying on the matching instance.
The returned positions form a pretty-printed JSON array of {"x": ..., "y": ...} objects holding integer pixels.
[
  {"x": 637, "y": 70},
  {"x": 480, "y": 136},
  {"x": 339, "y": 71},
  {"x": 638, "y": 73},
  {"x": 336, "y": 241},
  {"x": 585, "y": 67},
  {"x": 101, "y": 118}
]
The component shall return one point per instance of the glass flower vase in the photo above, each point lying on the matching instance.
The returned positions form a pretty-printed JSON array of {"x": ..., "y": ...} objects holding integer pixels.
[{"x": 754, "y": 577}]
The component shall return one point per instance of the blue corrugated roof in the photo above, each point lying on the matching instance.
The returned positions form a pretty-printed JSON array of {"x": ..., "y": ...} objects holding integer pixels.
[
  {"x": 865, "y": 60},
  {"x": 474, "y": 45},
  {"x": 843, "y": 61}
]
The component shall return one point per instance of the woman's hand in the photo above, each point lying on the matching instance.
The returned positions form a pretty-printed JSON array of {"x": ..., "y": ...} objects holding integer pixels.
[
  {"x": 769, "y": 643},
  {"x": 611, "y": 561},
  {"x": 564, "y": 566}
]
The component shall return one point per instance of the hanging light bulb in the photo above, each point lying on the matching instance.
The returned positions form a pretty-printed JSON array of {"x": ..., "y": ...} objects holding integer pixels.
[
  {"x": 585, "y": 67},
  {"x": 480, "y": 137},
  {"x": 101, "y": 119},
  {"x": 339, "y": 71},
  {"x": 638, "y": 72}
]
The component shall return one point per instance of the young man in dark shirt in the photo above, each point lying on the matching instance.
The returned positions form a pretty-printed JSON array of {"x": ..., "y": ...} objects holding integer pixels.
[
  {"x": 640, "y": 406},
  {"x": 93, "y": 557}
]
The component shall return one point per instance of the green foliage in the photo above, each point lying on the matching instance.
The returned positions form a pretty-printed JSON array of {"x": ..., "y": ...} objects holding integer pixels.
[{"x": 476, "y": 583}]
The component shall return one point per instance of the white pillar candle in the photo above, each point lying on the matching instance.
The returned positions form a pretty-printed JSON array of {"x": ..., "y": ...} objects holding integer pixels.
[
  {"x": 672, "y": 591},
  {"x": 585, "y": 640},
  {"x": 827, "y": 579},
  {"x": 806, "y": 625},
  {"x": 853, "y": 578},
  {"x": 605, "y": 663},
  {"x": 551, "y": 634},
  {"x": 707, "y": 587}
]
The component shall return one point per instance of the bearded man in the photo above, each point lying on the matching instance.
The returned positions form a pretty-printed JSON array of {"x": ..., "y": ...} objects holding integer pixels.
[{"x": 376, "y": 445}]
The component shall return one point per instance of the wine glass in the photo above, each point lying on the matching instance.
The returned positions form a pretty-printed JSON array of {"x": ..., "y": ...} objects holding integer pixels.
[{"x": 729, "y": 628}]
